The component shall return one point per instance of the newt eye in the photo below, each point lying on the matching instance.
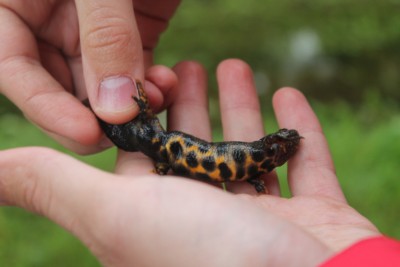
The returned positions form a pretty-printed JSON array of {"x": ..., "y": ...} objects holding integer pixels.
[{"x": 273, "y": 149}]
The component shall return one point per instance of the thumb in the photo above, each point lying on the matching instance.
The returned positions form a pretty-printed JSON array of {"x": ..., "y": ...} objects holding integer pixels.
[
  {"x": 56, "y": 186},
  {"x": 112, "y": 57}
]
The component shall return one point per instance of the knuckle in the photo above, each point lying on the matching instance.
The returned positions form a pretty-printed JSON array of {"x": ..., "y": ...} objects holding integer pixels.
[
  {"x": 109, "y": 33},
  {"x": 108, "y": 37},
  {"x": 28, "y": 188}
]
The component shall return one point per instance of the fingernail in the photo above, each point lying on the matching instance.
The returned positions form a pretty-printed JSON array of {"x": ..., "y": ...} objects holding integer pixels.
[
  {"x": 116, "y": 93},
  {"x": 105, "y": 143}
]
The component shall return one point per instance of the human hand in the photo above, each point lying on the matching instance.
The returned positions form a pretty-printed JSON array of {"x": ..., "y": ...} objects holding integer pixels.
[
  {"x": 136, "y": 218},
  {"x": 55, "y": 54}
]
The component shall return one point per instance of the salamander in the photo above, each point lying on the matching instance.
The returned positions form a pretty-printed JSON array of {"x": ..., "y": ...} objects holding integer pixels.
[{"x": 193, "y": 157}]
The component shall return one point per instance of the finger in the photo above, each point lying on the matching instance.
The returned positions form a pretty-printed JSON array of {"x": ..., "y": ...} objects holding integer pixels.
[
  {"x": 86, "y": 201},
  {"x": 27, "y": 84},
  {"x": 102, "y": 144},
  {"x": 189, "y": 111},
  {"x": 54, "y": 62},
  {"x": 311, "y": 170},
  {"x": 152, "y": 18},
  {"x": 240, "y": 112},
  {"x": 112, "y": 57},
  {"x": 160, "y": 86}
]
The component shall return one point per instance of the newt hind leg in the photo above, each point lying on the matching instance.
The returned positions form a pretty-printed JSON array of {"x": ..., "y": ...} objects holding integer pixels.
[
  {"x": 161, "y": 168},
  {"x": 258, "y": 184}
]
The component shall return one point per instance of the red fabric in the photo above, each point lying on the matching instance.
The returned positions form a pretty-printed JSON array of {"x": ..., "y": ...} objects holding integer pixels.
[{"x": 378, "y": 251}]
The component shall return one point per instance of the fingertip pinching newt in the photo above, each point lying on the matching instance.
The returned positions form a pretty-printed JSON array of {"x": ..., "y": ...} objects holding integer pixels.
[{"x": 190, "y": 156}]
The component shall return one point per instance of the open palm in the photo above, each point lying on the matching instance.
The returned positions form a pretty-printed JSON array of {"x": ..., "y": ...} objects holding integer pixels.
[{"x": 136, "y": 218}]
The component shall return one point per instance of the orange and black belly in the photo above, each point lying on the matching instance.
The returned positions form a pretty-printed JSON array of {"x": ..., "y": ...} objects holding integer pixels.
[
  {"x": 190, "y": 156},
  {"x": 220, "y": 162}
]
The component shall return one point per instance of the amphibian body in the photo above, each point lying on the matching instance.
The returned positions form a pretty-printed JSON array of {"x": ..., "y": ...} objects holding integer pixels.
[{"x": 190, "y": 156}]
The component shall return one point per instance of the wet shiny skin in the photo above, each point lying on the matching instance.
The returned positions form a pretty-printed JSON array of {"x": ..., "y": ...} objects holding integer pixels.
[{"x": 190, "y": 156}]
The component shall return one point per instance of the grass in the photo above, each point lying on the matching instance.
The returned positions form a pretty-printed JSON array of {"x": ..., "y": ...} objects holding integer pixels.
[
  {"x": 365, "y": 142},
  {"x": 367, "y": 155}
]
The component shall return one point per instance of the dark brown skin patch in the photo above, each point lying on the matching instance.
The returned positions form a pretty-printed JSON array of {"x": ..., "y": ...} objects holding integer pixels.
[
  {"x": 239, "y": 156},
  {"x": 257, "y": 155},
  {"x": 191, "y": 159},
  {"x": 252, "y": 170},
  {"x": 181, "y": 170},
  {"x": 202, "y": 176},
  {"x": 176, "y": 149},
  {"x": 188, "y": 155},
  {"x": 156, "y": 145},
  {"x": 225, "y": 172},
  {"x": 208, "y": 163},
  {"x": 163, "y": 153},
  {"x": 240, "y": 172},
  {"x": 267, "y": 165}
]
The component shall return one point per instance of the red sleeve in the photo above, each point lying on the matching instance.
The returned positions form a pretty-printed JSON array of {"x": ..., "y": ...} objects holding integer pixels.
[{"x": 377, "y": 251}]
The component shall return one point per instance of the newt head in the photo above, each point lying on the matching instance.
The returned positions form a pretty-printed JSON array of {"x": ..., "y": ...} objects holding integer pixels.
[{"x": 282, "y": 145}]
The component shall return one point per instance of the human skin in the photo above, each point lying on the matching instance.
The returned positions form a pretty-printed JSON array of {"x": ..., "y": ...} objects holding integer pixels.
[
  {"x": 54, "y": 54},
  {"x": 137, "y": 218}
]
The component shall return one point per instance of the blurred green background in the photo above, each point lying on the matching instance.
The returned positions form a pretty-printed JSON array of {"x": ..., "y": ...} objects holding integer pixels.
[{"x": 343, "y": 54}]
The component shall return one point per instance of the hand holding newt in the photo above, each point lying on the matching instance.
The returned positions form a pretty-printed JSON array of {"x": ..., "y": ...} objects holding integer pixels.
[{"x": 118, "y": 216}]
